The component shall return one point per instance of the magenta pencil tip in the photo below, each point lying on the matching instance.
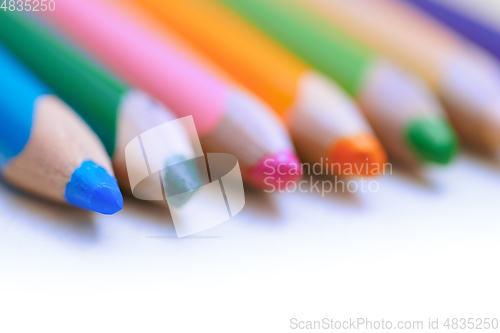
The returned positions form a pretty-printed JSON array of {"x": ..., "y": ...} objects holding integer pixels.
[{"x": 275, "y": 171}]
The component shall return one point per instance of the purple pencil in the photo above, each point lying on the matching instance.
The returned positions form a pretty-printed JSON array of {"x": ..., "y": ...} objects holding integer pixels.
[{"x": 477, "y": 32}]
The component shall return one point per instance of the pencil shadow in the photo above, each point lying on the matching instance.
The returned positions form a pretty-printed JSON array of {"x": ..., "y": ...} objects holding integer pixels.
[
  {"x": 337, "y": 188},
  {"x": 483, "y": 158},
  {"x": 152, "y": 211},
  {"x": 157, "y": 213},
  {"x": 187, "y": 237},
  {"x": 58, "y": 219},
  {"x": 256, "y": 200},
  {"x": 415, "y": 175},
  {"x": 263, "y": 206}
]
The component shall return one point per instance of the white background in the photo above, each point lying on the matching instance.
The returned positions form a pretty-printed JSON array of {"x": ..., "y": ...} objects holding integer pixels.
[{"x": 414, "y": 250}]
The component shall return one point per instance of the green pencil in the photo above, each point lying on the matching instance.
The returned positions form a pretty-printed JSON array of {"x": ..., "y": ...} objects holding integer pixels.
[
  {"x": 117, "y": 113},
  {"x": 409, "y": 121}
]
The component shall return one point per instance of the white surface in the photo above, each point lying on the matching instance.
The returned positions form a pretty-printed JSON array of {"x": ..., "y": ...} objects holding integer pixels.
[{"x": 413, "y": 250}]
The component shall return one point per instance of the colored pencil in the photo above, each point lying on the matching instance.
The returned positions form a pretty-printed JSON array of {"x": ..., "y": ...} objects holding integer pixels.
[
  {"x": 486, "y": 11},
  {"x": 325, "y": 124},
  {"x": 466, "y": 78},
  {"x": 477, "y": 32},
  {"x": 403, "y": 113},
  {"x": 116, "y": 112},
  {"x": 227, "y": 119},
  {"x": 46, "y": 149}
]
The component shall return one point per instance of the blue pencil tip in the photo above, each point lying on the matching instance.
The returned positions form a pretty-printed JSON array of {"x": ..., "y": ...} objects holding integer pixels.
[{"x": 92, "y": 188}]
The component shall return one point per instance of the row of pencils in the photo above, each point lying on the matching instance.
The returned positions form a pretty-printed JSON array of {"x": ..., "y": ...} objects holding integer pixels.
[{"x": 340, "y": 82}]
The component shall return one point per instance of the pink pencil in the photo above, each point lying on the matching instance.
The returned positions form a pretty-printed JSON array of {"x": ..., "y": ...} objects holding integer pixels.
[{"x": 227, "y": 118}]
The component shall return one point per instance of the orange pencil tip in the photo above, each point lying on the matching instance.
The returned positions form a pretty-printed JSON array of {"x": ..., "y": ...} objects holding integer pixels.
[{"x": 361, "y": 155}]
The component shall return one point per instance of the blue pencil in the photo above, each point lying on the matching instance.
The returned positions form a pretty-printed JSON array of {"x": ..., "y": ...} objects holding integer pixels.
[
  {"x": 46, "y": 149},
  {"x": 477, "y": 32}
]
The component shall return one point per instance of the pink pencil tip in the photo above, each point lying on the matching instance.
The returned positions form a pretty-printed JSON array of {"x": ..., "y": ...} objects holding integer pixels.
[{"x": 275, "y": 171}]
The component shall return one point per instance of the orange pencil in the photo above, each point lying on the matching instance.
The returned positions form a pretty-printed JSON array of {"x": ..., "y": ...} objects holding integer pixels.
[{"x": 325, "y": 124}]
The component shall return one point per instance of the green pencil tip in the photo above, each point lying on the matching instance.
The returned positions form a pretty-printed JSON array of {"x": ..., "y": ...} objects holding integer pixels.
[
  {"x": 181, "y": 178},
  {"x": 433, "y": 140}
]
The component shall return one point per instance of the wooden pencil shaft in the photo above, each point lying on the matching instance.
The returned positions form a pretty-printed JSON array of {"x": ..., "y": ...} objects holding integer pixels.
[{"x": 45, "y": 146}]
